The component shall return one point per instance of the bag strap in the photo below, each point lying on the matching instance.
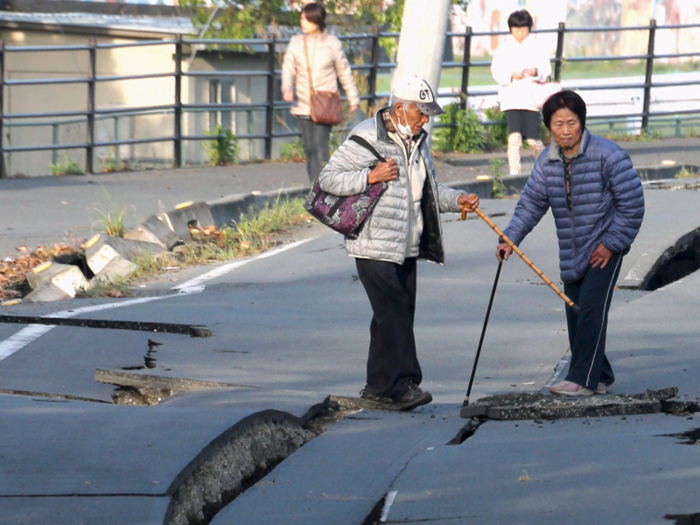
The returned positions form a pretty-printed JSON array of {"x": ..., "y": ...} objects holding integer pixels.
[
  {"x": 362, "y": 142},
  {"x": 308, "y": 67}
]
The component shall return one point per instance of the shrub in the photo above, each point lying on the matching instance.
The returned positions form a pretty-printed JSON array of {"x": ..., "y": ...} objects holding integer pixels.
[
  {"x": 222, "y": 148},
  {"x": 466, "y": 133},
  {"x": 67, "y": 167},
  {"x": 496, "y": 134}
]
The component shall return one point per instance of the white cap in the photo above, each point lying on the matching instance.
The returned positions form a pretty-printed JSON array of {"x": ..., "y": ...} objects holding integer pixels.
[{"x": 416, "y": 90}]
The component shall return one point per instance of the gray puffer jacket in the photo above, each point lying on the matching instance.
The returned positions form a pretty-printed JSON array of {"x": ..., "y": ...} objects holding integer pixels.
[
  {"x": 386, "y": 233},
  {"x": 607, "y": 203}
]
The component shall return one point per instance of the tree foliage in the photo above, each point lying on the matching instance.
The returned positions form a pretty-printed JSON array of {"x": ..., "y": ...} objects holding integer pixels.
[{"x": 250, "y": 18}]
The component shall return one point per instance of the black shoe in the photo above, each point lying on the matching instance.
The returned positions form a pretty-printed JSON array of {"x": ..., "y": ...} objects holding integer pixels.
[
  {"x": 411, "y": 398},
  {"x": 374, "y": 398}
]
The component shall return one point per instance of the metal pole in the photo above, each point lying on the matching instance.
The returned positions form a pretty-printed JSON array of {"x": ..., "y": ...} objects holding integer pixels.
[
  {"x": 648, "y": 77},
  {"x": 177, "y": 143},
  {"x": 3, "y": 173},
  {"x": 90, "y": 150},
  {"x": 466, "y": 61},
  {"x": 373, "y": 73},
  {"x": 483, "y": 332},
  {"x": 561, "y": 31},
  {"x": 117, "y": 149},
  {"x": 270, "y": 114},
  {"x": 54, "y": 141}
]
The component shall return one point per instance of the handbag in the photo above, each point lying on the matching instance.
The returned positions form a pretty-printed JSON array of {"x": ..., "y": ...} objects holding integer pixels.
[
  {"x": 346, "y": 214},
  {"x": 325, "y": 105},
  {"x": 541, "y": 91}
]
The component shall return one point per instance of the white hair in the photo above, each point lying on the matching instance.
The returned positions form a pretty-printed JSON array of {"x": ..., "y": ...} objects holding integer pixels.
[{"x": 393, "y": 101}]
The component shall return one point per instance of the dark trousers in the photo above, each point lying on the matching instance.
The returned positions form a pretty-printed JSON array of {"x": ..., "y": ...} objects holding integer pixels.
[
  {"x": 391, "y": 289},
  {"x": 316, "y": 138},
  {"x": 587, "y": 329}
]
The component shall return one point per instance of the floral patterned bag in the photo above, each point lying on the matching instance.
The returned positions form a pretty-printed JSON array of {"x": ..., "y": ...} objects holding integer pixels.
[{"x": 345, "y": 214}]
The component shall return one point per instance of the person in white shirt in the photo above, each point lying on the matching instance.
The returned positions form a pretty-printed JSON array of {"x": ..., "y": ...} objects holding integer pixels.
[{"x": 518, "y": 65}]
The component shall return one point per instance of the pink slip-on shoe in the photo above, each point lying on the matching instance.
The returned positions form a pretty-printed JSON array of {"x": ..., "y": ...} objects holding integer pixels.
[
  {"x": 603, "y": 389},
  {"x": 567, "y": 388}
]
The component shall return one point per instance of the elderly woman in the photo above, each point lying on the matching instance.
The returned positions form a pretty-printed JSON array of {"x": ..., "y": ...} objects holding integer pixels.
[
  {"x": 518, "y": 64},
  {"x": 320, "y": 55},
  {"x": 597, "y": 201}
]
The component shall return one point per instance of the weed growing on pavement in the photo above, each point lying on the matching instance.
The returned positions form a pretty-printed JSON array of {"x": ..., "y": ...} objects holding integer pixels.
[
  {"x": 67, "y": 167},
  {"x": 112, "y": 222},
  {"x": 642, "y": 136},
  {"x": 147, "y": 265},
  {"x": 252, "y": 234},
  {"x": 685, "y": 173},
  {"x": 292, "y": 151},
  {"x": 105, "y": 288},
  {"x": 222, "y": 149},
  {"x": 498, "y": 189}
]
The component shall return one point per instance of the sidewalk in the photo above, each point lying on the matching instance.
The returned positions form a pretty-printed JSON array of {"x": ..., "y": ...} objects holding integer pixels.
[{"x": 47, "y": 210}]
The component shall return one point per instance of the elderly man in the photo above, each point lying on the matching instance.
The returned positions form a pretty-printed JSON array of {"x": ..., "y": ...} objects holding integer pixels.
[{"x": 404, "y": 227}]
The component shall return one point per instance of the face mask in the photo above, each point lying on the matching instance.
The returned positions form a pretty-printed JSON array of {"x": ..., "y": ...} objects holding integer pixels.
[{"x": 404, "y": 129}]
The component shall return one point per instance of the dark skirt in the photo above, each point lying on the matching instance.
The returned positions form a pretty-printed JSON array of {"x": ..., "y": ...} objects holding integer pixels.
[{"x": 527, "y": 123}]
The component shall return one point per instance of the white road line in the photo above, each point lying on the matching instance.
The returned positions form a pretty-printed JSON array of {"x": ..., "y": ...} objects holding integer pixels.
[
  {"x": 390, "y": 497},
  {"x": 33, "y": 332},
  {"x": 226, "y": 268}
]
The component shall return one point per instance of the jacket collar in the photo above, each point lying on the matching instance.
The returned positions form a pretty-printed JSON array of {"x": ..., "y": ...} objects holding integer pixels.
[
  {"x": 555, "y": 150},
  {"x": 383, "y": 134}
]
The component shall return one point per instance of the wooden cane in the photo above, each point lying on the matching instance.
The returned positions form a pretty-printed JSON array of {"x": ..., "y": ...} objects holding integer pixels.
[{"x": 510, "y": 243}]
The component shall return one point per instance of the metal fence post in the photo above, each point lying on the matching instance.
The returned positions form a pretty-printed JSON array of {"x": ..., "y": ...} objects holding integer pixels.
[
  {"x": 3, "y": 172},
  {"x": 54, "y": 141},
  {"x": 561, "y": 31},
  {"x": 270, "y": 114},
  {"x": 373, "y": 72},
  {"x": 466, "y": 61},
  {"x": 90, "y": 149},
  {"x": 177, "y": 143},
  {"x": 117, "y": 149},
  {"x": 648, "y": 77}
]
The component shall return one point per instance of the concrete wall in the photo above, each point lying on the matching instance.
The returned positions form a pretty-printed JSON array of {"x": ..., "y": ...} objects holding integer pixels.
[{"x": 123, "y": 94}]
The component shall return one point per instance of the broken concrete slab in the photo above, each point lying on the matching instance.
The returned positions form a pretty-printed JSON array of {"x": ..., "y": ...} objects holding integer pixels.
[
  {"x": 340, "y": 476},
  {"x": 145, "y": 389},
  {"x": 105, "y": 249},
  {"x": 155, "y": 229},
  {"x": 228, "y": 210},
  {"x": 660, "y": 240},
  {"x": 54, "y": 281},
  {"x": 195, "y": 457},
  {"x": 196, "y": 213},
  {"x": 83, "y": 510},
  {"x": 516, "y": 406},
  {"x": 577, "y": 471}
]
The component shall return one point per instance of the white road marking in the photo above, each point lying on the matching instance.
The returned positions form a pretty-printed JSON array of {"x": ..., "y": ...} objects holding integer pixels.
[
  {"x": 226, "y": 268},
  {"x": 33, "y": 332},
  {"x": 390, "y": 497}
]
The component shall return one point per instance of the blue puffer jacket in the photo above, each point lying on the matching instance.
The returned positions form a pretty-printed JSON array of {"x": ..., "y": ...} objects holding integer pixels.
[{"x": 607, "y": 203}]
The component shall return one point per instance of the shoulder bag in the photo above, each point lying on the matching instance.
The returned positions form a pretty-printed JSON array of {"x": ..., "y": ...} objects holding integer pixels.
[
  {"x": 346, "y": 214},
  {"x": 324, "y": 105}
]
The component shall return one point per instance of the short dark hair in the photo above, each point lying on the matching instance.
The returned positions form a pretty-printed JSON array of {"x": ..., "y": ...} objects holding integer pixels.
[
  {"x": 564, "y": 99},
  {"x": 520, "y": 19},
  {"x": 316, "y": 14}
]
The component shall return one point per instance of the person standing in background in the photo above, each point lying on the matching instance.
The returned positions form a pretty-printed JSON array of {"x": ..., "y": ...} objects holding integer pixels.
[
  {"x": 517, "y": 64},
  {"x": 328, "y": 64}
]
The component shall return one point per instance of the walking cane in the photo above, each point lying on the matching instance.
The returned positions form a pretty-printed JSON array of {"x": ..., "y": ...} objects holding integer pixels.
[
  {"x": 483, "y": 331},
  {"x": 527, "y": 261}
]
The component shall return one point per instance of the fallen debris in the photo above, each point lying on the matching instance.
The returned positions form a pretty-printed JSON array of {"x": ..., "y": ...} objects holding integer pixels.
[
  {"x": 515, "y": 406},
  {"x": 142, "y": 389}
]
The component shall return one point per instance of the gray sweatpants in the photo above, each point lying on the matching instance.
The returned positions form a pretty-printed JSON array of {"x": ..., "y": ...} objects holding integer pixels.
[{"x": 316, "y": 138}]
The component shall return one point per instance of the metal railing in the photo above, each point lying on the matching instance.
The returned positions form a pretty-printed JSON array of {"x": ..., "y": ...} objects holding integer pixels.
[{"x": 178, "y": 109}]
